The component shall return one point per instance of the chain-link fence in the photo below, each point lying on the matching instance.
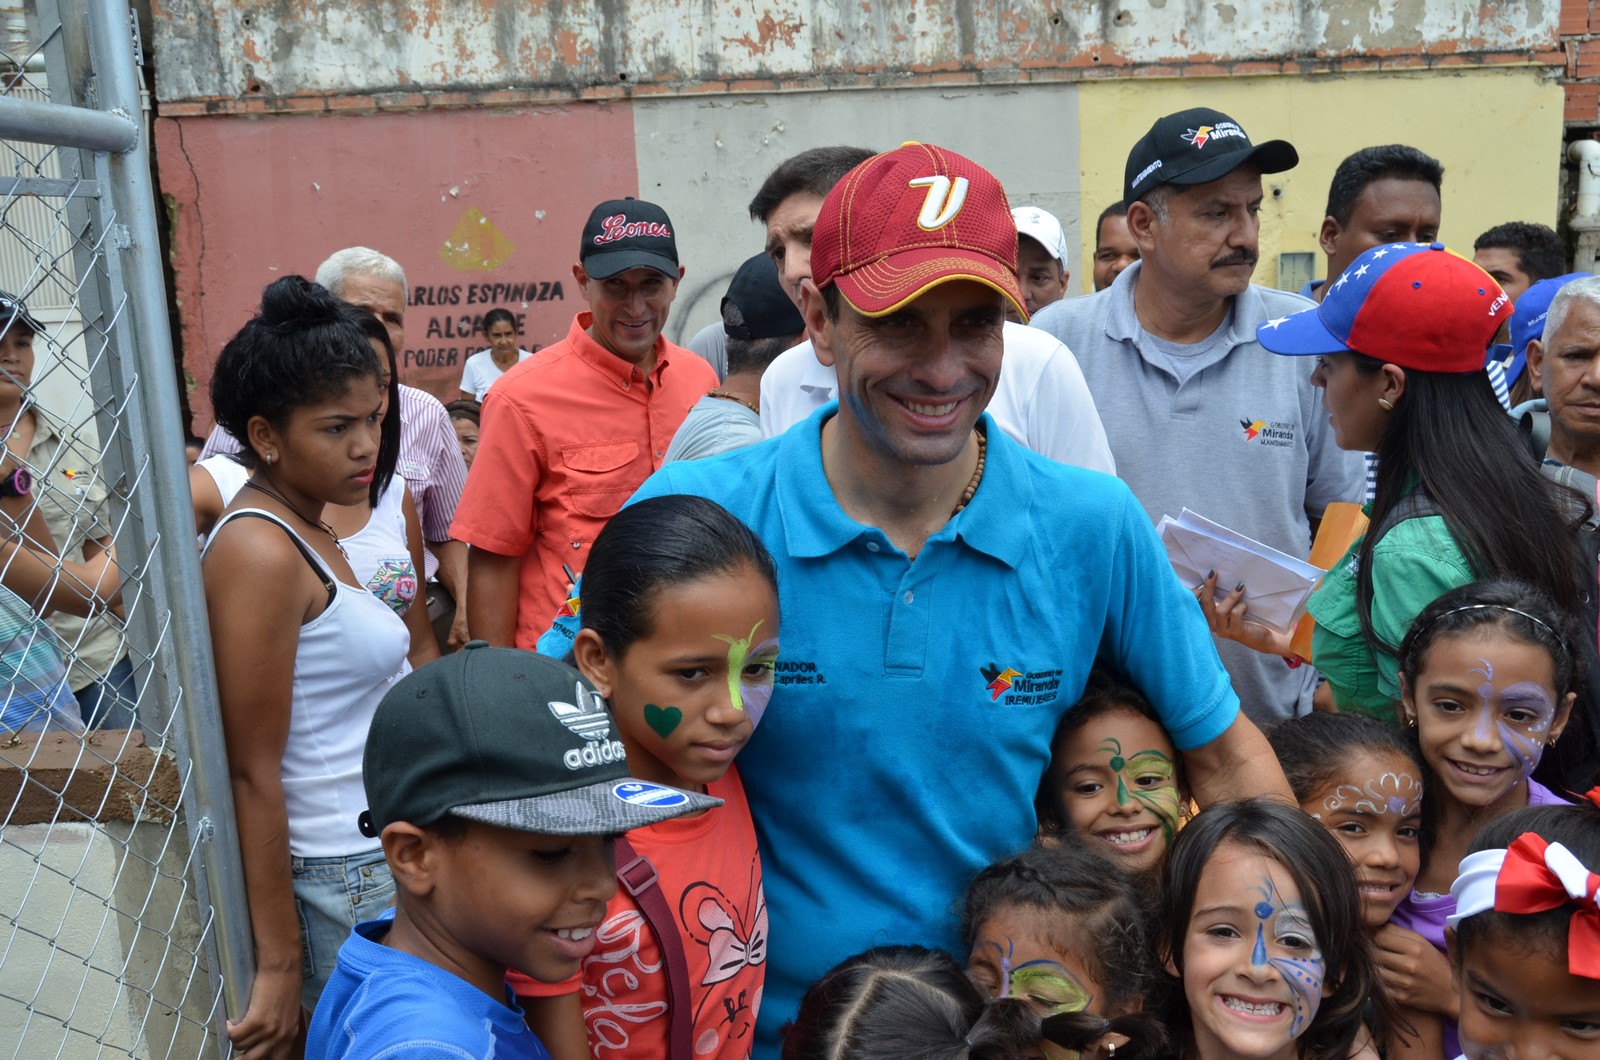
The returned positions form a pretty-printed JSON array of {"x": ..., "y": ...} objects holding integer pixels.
[{"x": 117, "y": 863}]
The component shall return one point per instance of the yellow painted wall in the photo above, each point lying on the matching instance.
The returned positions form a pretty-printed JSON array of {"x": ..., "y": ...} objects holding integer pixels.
[{"x": 1497, "y": 131}]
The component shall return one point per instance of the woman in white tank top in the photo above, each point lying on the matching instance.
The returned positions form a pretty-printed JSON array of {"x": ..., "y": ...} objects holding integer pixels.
[
  {"x": 303, "y": 650},
  {"x": 382, "y": 540}
]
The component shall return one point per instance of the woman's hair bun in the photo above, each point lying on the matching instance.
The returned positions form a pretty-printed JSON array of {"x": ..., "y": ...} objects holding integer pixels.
[{"x": 298, "y": 302}]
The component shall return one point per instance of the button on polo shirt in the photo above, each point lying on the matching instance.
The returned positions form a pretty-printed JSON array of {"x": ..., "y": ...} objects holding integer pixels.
[
  {"x": 566, "y": 437},
  {"x": 915, "y": 700}
]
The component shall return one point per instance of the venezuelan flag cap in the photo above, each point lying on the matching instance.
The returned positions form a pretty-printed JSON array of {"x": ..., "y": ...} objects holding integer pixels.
[{"x": 1416, "y": 305}]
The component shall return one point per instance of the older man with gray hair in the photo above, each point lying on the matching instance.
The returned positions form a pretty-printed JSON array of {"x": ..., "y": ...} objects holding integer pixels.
[
  {"x": 430, "y": 458},
  {"x": 1565, "y": 364}
]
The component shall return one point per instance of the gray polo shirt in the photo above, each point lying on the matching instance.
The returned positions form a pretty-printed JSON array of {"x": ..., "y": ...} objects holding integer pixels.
[{"x": 1242, "y": 440}]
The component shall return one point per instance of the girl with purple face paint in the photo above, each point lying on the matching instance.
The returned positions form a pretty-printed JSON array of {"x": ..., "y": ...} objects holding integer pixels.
[
  {"x": 679, "y": 632},
  {"x": 1362, "y": 780},
  {"x": 1255, "y": 910},
  {"x": 1486, "y": 675}
]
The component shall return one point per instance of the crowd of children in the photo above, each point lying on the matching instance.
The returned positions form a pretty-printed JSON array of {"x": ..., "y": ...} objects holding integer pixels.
[{"x": 1426, "y": 898}]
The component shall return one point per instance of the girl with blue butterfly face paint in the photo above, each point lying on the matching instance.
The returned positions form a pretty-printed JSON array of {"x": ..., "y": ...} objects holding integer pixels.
[{"x": 1258, "y": 911}]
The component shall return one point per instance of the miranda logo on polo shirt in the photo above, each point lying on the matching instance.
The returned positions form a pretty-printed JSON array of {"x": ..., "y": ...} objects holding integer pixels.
[
  {"x": 1011, "y": 687},
  {"x": 588, "y": 720},
  {"x": 1277, "y": 433},
  {"x": 999, "y": 680}
]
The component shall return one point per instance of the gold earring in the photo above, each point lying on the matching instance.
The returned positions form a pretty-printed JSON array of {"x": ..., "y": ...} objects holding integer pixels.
[
  {"x": 1411, "y": 722},
  {"x": 1385, "y": 405}
]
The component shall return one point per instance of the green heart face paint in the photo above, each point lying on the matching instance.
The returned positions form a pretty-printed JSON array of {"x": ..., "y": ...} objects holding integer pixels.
[
  {"x": 750, "y": 672},
  {"x": 662, "y": 720}
]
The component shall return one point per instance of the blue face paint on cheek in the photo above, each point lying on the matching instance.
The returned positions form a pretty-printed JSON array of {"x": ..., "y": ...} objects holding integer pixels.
[{"x": 1305, "y": 980}]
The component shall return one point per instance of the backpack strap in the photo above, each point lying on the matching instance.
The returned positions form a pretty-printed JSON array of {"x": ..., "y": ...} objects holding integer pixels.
[
  {"x": 1413, "y": 505},
  {"x": 638, "y": 877}
]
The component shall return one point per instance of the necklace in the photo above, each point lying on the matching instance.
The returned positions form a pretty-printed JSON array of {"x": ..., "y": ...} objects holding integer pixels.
[
  {"x": 281, "y": 499},
  {"x": 724, "y": 395},
  {"x": 977, "y": 476}
]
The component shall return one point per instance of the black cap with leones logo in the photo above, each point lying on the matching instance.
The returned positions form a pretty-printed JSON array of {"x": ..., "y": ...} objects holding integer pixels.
[
  {"x": 509, "y": 738},
  {"x": 624, "y": 234}
]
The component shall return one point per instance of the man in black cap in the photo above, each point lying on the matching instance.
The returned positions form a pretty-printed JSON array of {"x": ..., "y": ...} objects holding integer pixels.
[
  {"x": 1197, "y": 413},
  {"x": 568, "y": 435},
  {"x": 761, "y": 322}
]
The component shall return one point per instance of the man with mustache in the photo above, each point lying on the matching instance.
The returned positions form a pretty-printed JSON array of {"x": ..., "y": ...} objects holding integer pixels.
[{"x": 1197, "y": 414}]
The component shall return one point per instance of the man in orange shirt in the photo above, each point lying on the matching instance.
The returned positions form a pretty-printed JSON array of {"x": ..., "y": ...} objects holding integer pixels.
[{"x": 570, "y": 433}]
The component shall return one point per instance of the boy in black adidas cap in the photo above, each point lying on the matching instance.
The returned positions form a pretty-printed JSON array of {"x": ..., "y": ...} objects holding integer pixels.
[{"x": 495, "y": 783}]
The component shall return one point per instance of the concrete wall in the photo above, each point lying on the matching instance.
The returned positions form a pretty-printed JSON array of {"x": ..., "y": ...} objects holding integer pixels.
[
  {"x": 470, "y": 140},
  {"x": 228, "y": 50},
  {"x": 80, "y": 980},
  {"x": 704, "y": 158}
]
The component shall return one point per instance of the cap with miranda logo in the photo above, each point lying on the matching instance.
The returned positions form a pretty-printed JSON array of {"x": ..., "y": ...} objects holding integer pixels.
[
  {"x": 908, "y": 220},
  {"x": 1198, "y": 146}
]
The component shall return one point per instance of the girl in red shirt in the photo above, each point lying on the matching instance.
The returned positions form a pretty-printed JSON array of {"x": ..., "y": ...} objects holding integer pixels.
[{"x": 679, "y": 631}]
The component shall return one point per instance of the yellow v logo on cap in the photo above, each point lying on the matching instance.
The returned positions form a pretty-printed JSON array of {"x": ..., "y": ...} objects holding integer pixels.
[{"x": 944, "y": 200}]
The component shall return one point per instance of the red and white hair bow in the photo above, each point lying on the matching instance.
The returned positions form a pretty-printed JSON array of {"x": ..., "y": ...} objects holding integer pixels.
[{"x": 1534, "y": 876}]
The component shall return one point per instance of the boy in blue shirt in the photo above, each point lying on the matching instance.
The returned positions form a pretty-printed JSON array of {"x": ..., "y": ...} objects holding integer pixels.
[{"x": 497, "y": 787}]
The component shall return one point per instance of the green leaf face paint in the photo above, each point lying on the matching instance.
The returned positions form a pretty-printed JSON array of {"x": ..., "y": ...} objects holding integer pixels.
[
  {"x": 746, "y": 691},
  {"x": 1154, "y": 786}
]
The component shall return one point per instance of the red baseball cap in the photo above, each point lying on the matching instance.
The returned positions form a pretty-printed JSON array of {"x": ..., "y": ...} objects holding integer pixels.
[{"x": 910, "y": 219}]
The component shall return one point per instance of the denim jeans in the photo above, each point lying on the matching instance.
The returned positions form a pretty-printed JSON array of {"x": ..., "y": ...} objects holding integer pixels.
[
  {"x": 109, "y": 703},
  {"x": 331, "y": 896}
]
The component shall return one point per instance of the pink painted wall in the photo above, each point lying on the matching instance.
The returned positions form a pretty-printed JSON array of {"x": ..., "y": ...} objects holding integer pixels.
[{"x": 481, "y": 208}]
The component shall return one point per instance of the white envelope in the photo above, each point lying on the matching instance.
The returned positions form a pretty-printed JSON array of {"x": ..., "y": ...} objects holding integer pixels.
[{"x": 1277, "y": 585}]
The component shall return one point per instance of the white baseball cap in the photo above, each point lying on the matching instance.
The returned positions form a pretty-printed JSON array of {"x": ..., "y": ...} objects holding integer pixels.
[{"x": 1042, "y": 226}]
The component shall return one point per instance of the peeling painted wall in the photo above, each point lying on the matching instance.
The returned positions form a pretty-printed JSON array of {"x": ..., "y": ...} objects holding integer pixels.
[
  {"x": 464, "y": 201},
  {"x": 238, "y": 49},
  {"x": 470, "y": 138}
]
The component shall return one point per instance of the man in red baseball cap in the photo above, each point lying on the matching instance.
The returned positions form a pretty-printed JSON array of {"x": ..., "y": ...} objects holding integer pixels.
[{"x": 944, "y": 590}]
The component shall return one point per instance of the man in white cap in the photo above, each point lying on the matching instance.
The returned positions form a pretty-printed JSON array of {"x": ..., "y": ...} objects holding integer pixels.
[{"x": 1041, "y": 258}]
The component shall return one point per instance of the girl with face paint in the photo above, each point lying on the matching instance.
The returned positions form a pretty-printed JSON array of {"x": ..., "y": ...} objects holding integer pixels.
[
  {"x": 1487, "y": 687},
  {"x": 911, "y": 1003},
  {"x": 678, "y": 613},
  {"x": 1062, "y": 930},
  {"x": 1255, "y": 908},
  {"x": 1114, "y": 784},
  {"x": 1362, "y": 780}
]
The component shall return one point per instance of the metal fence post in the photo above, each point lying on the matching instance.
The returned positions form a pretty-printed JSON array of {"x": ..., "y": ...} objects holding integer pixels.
[{"x": 120, "y": 878}]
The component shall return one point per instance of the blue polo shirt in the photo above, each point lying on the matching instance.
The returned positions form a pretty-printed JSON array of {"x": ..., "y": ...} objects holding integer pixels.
[{"x": 915, "y": 700}]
